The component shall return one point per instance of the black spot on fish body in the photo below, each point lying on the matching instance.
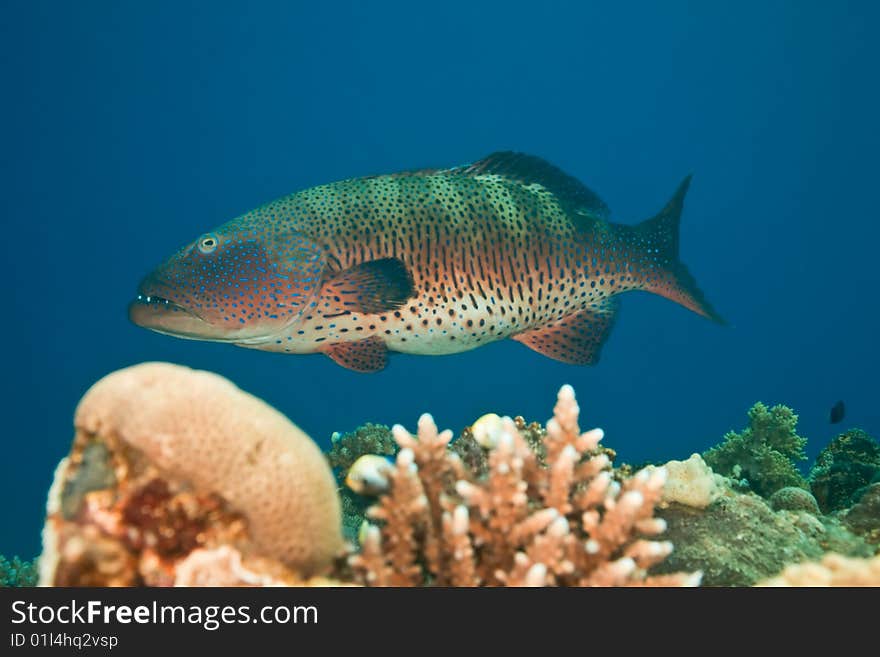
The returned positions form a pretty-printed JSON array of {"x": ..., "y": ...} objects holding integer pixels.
[{"x": 838, "y": 411}]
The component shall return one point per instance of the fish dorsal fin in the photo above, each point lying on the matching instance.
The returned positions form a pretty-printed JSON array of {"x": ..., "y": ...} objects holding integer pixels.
[{"x": 528, "y": 170}]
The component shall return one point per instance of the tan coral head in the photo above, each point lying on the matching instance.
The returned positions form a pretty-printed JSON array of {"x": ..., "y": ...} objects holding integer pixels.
[{"x": 167, "y": 461}]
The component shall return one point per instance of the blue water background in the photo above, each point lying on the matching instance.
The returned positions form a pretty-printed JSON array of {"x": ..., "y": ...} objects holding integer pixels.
[{"x": 130, "y": 128}]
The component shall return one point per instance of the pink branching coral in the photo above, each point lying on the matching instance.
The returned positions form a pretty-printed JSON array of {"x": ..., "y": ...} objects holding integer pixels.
[{"x": 565, "y": 523}]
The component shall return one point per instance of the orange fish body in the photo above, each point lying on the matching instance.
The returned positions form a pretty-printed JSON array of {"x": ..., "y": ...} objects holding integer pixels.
[{"x": 424, "y": 262}]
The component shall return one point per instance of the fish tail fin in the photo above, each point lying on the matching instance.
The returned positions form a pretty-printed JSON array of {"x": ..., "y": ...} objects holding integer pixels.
[{"x": 666, "y": 275}]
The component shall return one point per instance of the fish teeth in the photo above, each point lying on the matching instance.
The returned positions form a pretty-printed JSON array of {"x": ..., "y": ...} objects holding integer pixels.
[{"x": 150, "y": 299}]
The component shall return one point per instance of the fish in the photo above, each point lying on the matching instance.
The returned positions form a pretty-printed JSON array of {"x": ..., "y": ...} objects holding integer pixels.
[
  {"x": 838, "y": 411},
  {"x": 429, "y": 261}
]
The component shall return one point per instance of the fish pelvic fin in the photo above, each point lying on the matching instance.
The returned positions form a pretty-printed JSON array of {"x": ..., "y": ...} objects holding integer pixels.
[
  {"x": 367, "y": 355},
  {"x": 577, "y": 338},
  {"x": 662, "y": 271}
]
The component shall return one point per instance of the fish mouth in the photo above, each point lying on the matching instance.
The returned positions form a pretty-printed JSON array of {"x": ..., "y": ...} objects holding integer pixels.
[
  {"x": 156, "y": 302},
  {"x": 164, "y": 316}
]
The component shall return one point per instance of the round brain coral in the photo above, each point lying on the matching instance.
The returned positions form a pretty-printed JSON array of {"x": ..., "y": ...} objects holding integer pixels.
[{"x": 200, "y": 431}]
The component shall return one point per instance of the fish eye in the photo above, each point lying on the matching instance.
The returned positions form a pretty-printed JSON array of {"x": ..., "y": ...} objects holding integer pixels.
[{"x": 207, "y": 243}]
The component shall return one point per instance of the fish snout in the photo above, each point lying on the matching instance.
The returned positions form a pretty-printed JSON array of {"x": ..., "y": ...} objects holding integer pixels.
[{"x": 163, "y": 315}]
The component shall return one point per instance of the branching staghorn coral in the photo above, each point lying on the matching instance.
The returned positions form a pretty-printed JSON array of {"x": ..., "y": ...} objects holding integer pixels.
[{"x": 566, "y": 522}]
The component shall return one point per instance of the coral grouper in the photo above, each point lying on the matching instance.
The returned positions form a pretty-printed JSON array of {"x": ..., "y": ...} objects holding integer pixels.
[{"x": 425, "y": 262}]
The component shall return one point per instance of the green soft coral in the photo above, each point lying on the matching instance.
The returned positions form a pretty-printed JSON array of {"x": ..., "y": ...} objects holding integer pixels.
[
  {"x": 17, "y": 572},
  {"x": 764, "y": 453}
]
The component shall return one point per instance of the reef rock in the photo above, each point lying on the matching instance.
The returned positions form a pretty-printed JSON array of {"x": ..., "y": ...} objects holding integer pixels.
[
  {"x": 176, "y": 473},
  {"x": 738, "y": 539}
]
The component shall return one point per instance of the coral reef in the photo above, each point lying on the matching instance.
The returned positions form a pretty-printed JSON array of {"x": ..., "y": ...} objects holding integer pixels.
[
  {"x": 174, "y": 471},
  {"x": 17, "y": 572},
  {"x": 567, "y": 522},
  {"x": 177, "y": 477},
  {"x": 847, "y": 464},
  {"x": 764, "y": 453},
  {"x": 792, "y": 498},
  {"x": 738, "y": 539},
  {"x": 832, "y": 570}
]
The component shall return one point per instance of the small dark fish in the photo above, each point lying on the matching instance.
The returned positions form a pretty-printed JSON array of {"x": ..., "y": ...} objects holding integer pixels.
[{"x": 837, "y": 412}]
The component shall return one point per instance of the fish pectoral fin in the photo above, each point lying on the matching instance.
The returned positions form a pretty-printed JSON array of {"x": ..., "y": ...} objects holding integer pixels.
[
  {"x": 577, "y": 338},
  {"x": 375, "y": 286},
  {"x": 367, "y": 355}
]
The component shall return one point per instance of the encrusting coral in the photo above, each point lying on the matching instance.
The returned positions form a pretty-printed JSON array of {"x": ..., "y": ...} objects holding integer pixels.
[
  {"x": 567, "y": 522},
  {"x": 832, "y": 570},
  {"x": 691, "y": 483},
  {"x": 173, "y": 471},
  {"x": 764, "y": 453}
]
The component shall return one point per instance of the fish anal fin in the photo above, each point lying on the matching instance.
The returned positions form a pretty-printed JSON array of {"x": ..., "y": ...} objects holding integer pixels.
[
  {"x": 367, "y": 355},
  {"x": 577, "y": 338},
  {"x": 375, "y": 286}
]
